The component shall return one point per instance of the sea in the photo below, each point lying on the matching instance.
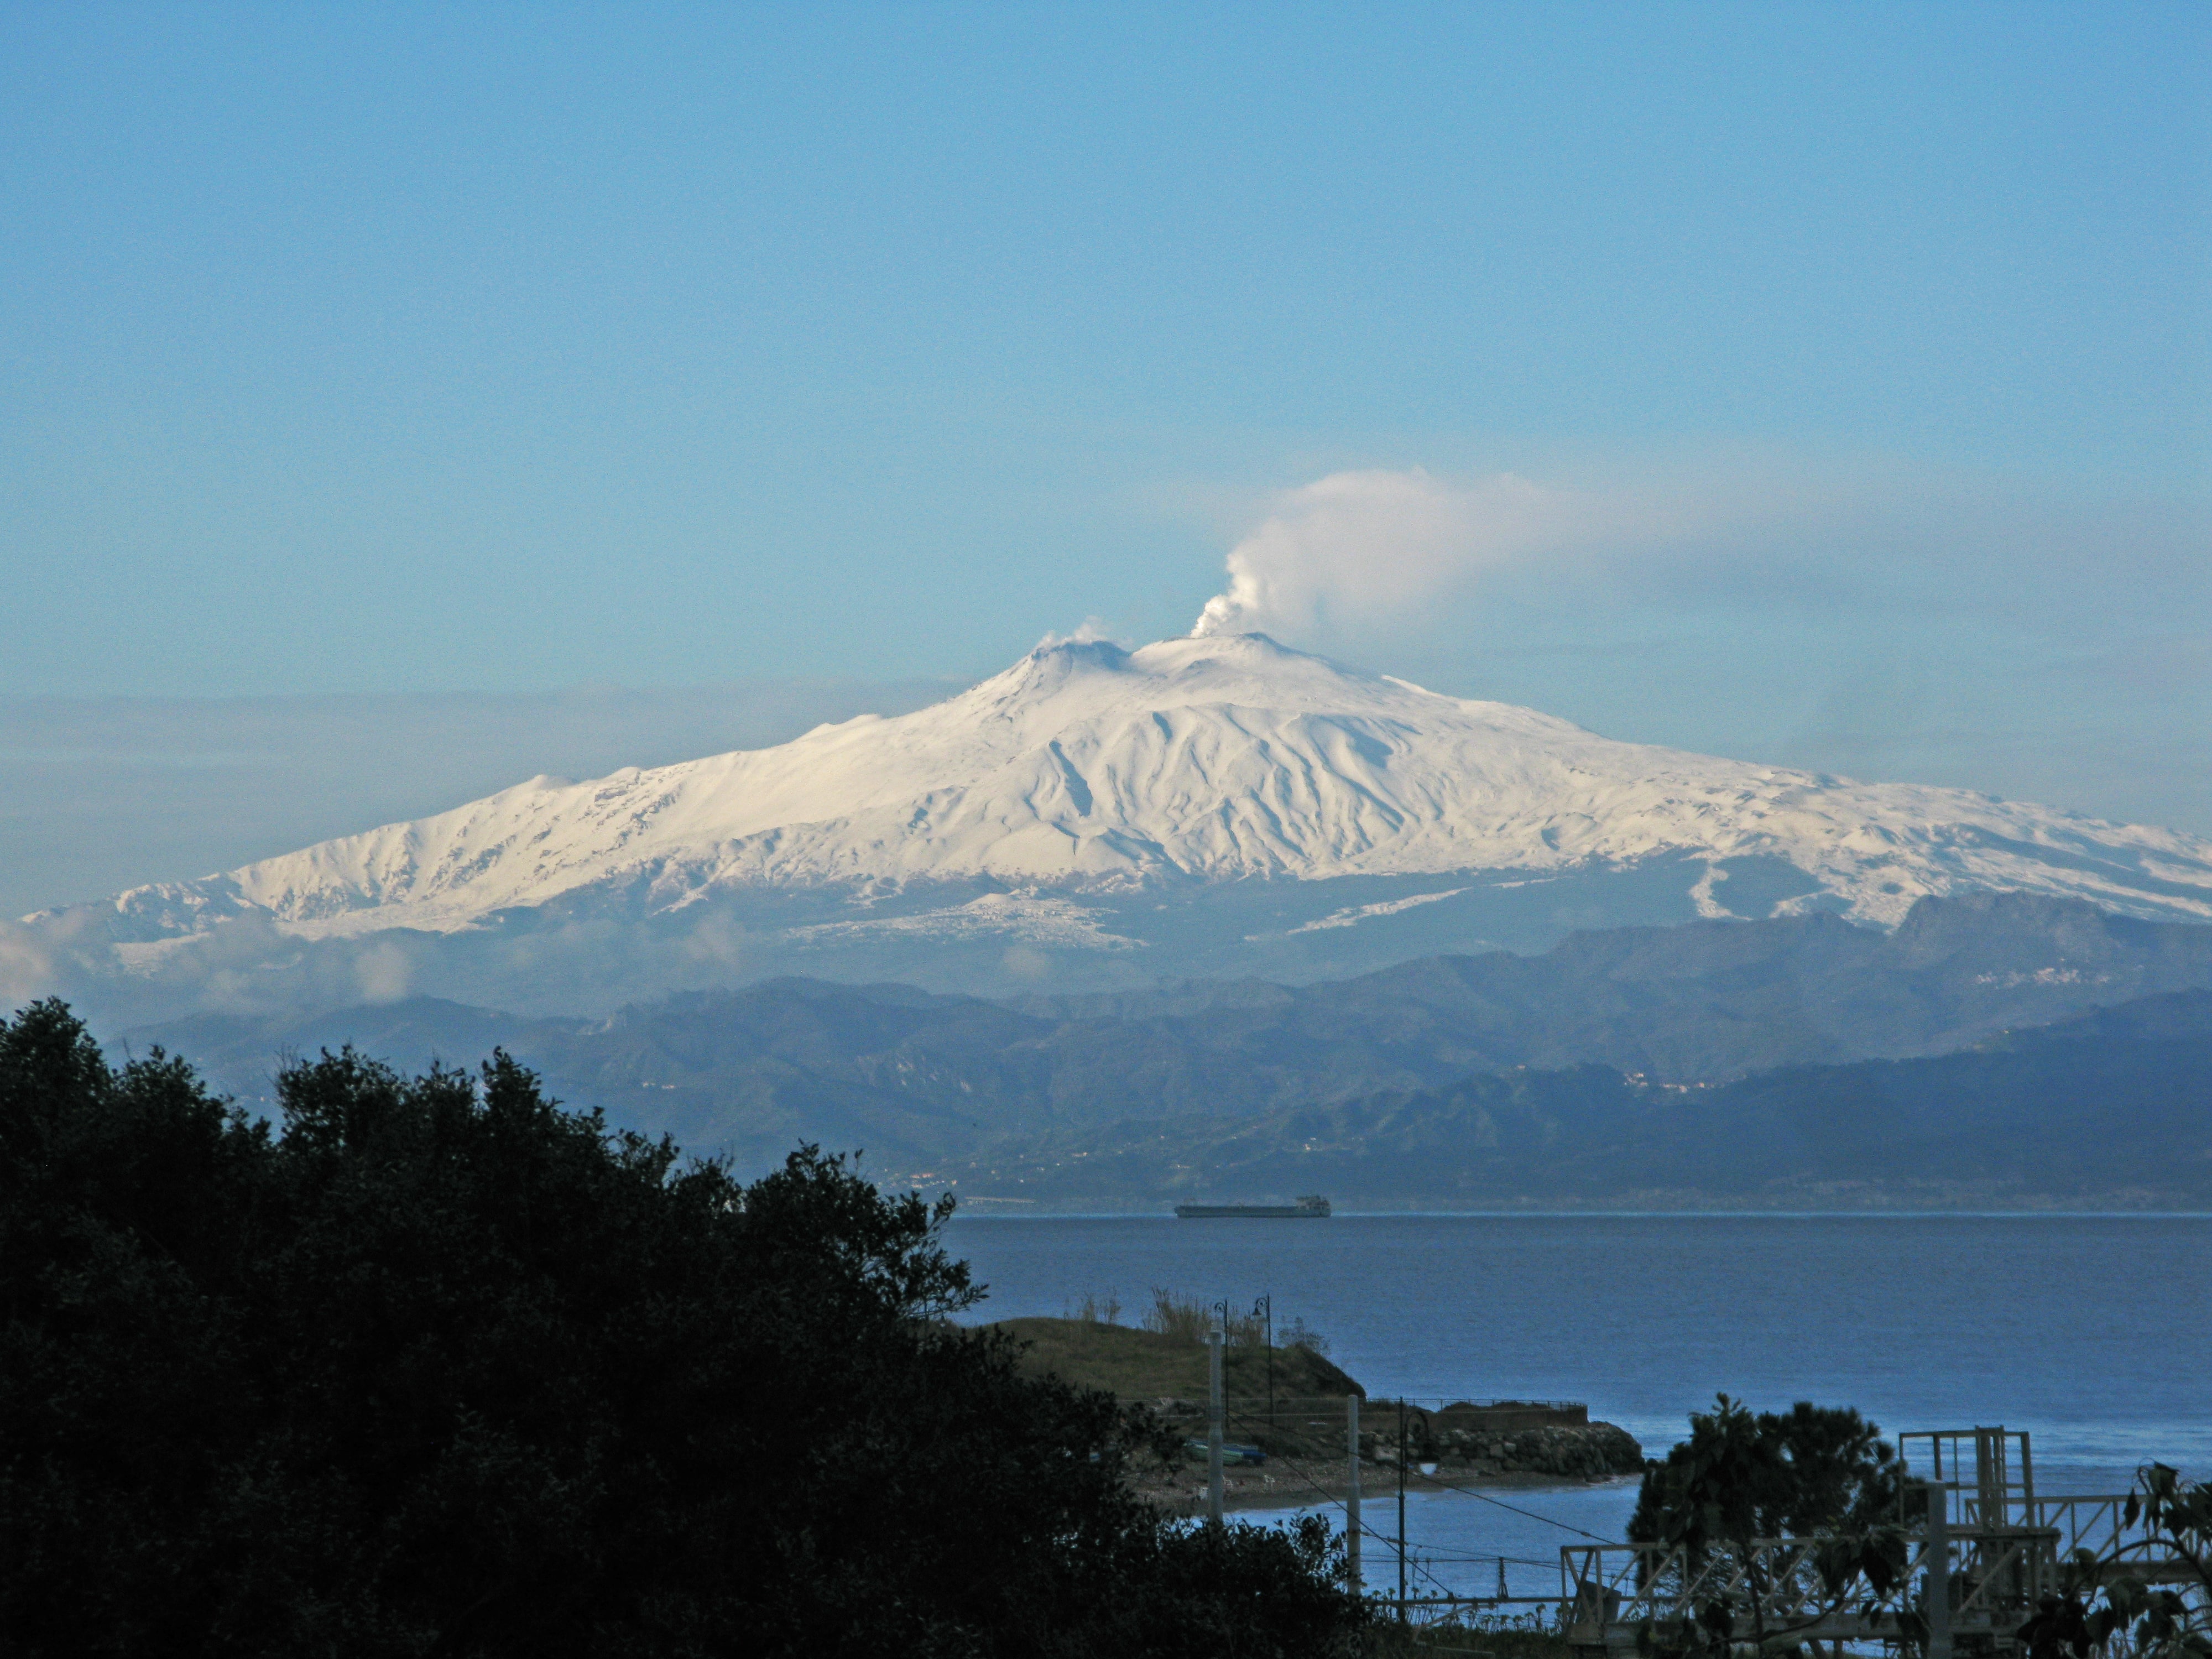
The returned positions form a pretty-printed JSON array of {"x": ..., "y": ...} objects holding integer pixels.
[{"x": 2093, "y": 1332}]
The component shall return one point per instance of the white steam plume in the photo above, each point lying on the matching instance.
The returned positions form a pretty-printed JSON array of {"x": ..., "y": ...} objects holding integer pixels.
[{"x": 1369, "y": 545}]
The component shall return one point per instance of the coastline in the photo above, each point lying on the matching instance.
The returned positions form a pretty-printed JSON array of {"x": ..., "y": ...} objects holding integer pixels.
[{"x": 1303, "y": 1485}]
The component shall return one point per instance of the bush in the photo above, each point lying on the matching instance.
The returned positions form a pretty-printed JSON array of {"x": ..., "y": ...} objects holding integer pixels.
[
  {"x": 1183, "y": 1318},
  {"x": 444, "y": 1368},
  {"x": 1822, "y": 1472},
  {"x": 1811, "y": 1469}
]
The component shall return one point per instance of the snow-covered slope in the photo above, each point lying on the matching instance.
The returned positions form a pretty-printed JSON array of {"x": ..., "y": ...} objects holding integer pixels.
[
  {"x": 1084, "y": 766},
  {"x": 1094, "y": 799}
]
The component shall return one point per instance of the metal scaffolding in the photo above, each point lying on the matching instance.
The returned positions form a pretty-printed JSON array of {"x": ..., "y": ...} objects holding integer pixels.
[{"x": 1986, "y": 1550}]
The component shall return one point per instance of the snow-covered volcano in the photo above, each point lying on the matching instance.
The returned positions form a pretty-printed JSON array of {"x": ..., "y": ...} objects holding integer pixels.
[{"x": 1198, "y": 796}]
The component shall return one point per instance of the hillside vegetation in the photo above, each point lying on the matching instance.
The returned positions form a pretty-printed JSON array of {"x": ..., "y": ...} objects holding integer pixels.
[
  {"x": 919, "y": 1080},
  {"x": 2113, "y": 1109},
  {"x": 1137, "y": 1364}
]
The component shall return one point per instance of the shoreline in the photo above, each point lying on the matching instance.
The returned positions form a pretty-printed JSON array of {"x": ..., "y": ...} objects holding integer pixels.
[
  {"x": 1270, "y": 1487},
  {"x": 1928, "y": 1212}
]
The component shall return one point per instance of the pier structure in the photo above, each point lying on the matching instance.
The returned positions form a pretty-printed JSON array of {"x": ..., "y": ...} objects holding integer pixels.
[{"x": 1983, "y": 1553}]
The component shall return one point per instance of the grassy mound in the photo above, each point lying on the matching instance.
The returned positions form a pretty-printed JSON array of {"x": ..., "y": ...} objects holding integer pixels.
[{"x": 1151, "y": 1365}]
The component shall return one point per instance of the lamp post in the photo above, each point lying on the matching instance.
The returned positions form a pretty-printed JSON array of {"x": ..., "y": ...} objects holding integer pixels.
[{"x": 1401, "y": 1510}]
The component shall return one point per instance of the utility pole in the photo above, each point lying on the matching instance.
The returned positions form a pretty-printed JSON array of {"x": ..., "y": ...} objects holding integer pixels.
[
  {"x": 1214, "y": 1339},
  {"x": 1265, "y": 1307},
  {"x": 1351, "y": 1494},
  {"x": 1938, "y": 1557},
  {"x": 1401, "y": 1514}
]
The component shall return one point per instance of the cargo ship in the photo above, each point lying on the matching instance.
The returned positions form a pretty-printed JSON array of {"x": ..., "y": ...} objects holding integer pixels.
[{"x": 1312, "y": 1207}]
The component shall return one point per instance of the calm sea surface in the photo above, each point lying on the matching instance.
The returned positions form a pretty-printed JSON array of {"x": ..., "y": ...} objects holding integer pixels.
[{"x": 2094, "y": 1333}]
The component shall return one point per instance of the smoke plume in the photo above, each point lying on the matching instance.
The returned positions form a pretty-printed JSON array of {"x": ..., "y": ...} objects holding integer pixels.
[{"x": 1367, "y": 546}]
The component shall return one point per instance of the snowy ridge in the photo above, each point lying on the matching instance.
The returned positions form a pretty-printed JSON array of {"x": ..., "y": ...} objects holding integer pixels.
[{"x": 1087, "y": 768}]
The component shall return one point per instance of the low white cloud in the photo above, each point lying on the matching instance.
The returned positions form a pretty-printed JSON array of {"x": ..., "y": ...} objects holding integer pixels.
[
  {"x": 26, "y": 965},
  {"x": 383, "y": 972}
]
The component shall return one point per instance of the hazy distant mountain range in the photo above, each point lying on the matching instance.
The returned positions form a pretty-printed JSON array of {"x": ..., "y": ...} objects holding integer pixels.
[
  {"x": 1092, "y": 817},
  {"x": 2111, "y": 1110},
  {"x": 995, "y": 1097}
]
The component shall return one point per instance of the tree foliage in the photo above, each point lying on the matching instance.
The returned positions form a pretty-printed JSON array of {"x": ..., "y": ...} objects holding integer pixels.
[
  {"x": 1826, "y": 1475},
  {"x": 445, "y": 1369},
  {"x": 1811, "y": 1469},
  {"x": 1814, "y": 1472},
  {"x": 2166, "y": 1533}
]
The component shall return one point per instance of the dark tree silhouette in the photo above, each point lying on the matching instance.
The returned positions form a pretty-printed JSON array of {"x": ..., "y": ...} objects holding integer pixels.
[
  {"x": 443, "y": 1368},
  {"x": 1811, "y": 1469}
]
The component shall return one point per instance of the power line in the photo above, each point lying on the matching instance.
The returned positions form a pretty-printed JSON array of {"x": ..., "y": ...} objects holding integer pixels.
[
  {"x": 1417, "y": 1561},
  {"x": 1470, "y": 1492},
  {"x": 1405, "y": 1401},
  {"x": 1244, "y": 1419},
  {"x": 1562, "y": 1526},
  {"x": 1365, "y": 1531}
]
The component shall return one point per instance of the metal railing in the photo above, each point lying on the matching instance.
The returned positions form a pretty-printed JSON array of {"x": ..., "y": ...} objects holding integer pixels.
[
  {"x": 1785, "y": 1587},
  {"x": 1983, "y": 1551}
]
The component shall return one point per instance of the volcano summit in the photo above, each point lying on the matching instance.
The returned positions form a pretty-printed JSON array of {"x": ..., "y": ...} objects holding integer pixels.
[{"x": 1217, "y": 805}]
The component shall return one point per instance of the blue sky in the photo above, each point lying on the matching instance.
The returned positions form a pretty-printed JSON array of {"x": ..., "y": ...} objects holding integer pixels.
[{"x": 1863, "y": 352}]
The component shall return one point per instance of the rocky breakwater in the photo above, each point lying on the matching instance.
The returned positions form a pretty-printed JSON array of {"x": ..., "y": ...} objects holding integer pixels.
[
  {"x": 1509, "y": 1438},
  {"x": 1284, "y": 1412},
  {"x": 1594, "y": 1451}
]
